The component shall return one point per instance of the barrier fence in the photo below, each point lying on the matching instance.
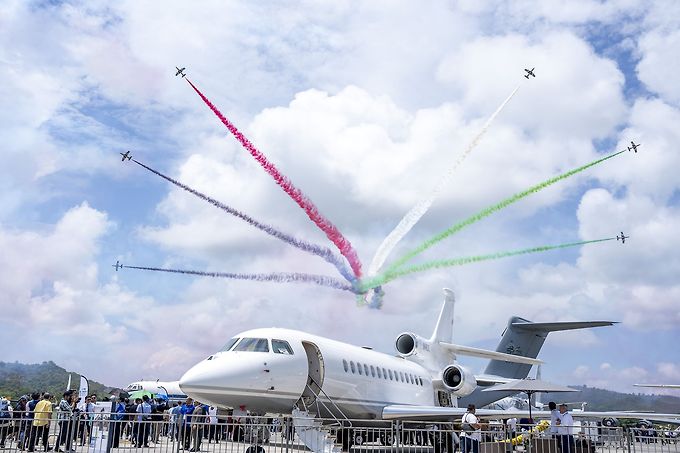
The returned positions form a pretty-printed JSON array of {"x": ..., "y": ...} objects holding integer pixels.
[{"x": 162, "y": 433}]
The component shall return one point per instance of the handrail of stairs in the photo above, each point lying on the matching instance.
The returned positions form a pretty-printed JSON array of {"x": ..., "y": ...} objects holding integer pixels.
[{"x": 344, "y": 422}]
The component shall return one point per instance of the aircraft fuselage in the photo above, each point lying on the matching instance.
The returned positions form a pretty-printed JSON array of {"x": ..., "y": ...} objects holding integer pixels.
[{"x": 360, "y": 381}]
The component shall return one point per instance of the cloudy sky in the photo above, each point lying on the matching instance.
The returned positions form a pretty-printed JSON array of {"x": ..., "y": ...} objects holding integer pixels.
[{"x": 363, "y": 105}]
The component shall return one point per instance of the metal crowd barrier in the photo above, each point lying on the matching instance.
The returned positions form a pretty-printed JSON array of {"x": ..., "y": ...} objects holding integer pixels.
[{"x": 162, "y": 433}]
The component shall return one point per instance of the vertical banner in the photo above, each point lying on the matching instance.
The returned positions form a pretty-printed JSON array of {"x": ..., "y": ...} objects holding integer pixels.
[{"x": 84, "y": 389}]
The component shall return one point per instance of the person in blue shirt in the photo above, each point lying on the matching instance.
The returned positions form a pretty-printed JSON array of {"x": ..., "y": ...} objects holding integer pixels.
[
  {"x": 185, "y": 428},
  {"x": 118, "y": 423},
  {"x": 144, "y": 420}
]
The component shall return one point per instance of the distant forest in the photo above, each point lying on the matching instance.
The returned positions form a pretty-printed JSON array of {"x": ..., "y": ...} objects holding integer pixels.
[{"x": 17, "y": 379}]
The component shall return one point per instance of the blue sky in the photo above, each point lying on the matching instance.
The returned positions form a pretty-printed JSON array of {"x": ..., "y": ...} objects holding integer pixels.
[{"x": 362, "y": 105}]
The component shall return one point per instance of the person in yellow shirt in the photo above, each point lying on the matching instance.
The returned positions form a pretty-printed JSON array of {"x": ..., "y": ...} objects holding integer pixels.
[{"x": 41, "y": 422}]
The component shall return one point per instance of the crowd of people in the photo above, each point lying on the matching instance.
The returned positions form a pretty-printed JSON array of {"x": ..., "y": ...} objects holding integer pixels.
[
  {"x": 29, "y": 420},
  {"x": 32, "y": 421}
]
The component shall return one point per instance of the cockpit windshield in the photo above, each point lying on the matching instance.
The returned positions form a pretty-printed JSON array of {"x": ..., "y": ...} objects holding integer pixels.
[
  {"x": 133, "y": 387},
  {"x": 230, "y": 344},
  {"x": 253, "y": 345}
]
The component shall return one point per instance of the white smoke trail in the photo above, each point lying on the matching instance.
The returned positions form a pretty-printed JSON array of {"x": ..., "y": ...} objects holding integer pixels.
[{"x": 413, "y": 216}]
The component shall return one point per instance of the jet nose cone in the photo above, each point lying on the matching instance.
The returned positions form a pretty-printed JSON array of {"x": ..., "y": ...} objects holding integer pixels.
[{"x": 194, "y": 379}]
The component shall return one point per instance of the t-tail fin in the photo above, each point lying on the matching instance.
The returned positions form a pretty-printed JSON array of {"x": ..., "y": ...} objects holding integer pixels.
[
  {"x": 525, "y": 338},
  {"x": 443, "y": 331}
]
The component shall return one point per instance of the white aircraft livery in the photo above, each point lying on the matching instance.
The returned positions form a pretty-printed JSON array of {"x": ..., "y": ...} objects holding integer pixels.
[{"x": 279, "y": 370}]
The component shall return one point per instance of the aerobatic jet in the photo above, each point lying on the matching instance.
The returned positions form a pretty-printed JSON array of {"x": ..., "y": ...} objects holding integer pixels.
[
  {"x": 529, "y": 72},
  {"x": 180, "y": 71},
  {"x": 633, "y": 146},
  {"x": 117, "y": 265},
  {"x": 126, "y": 156},
  {"x": 622, "y": 238}
]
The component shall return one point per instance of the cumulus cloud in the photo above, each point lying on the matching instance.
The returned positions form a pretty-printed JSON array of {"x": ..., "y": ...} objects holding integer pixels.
[{"x": 363, "y": 106}]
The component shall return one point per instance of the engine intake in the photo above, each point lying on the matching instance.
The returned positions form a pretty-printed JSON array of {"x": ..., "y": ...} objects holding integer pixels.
[
  {"x": 459, "y": 380},
  {"x": 408, "y": 344}
]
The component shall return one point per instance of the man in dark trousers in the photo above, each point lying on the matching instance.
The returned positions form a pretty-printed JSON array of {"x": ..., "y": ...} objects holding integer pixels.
[{"x": 65, "y": 416}]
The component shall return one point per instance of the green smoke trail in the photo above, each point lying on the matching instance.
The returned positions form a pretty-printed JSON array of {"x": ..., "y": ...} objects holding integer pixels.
[
  {"x": 488, "y": 211},
  {"x": 438, "y": 264}
]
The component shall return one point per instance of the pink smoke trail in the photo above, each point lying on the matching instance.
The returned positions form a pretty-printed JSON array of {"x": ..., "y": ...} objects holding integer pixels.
[
  {"x": 296, "y": 194},
  {"x": 324, "y": 252},
  {"x": 278, "y": 277}
]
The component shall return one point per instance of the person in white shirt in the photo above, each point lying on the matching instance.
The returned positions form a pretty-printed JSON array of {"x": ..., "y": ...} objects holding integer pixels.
[
  {"x": 554, "y": 417},
  {"x": 565, "y": 428},
  {"x": 212, "y": 429},
  {"x": 471, "y": 433},
  {"x": 512, "y": 427}
]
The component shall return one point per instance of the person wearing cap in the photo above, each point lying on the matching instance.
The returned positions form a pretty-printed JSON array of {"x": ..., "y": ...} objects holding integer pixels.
[
  {"x": 41, "y": 423},
  {"x": 565, "y": 426}
]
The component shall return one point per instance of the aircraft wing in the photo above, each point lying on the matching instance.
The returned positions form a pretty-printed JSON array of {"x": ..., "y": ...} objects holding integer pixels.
[
  {"x": 486, "y": 354},
  {"x": 659, "y": 386},
  {"x": 448, "y": 413}
]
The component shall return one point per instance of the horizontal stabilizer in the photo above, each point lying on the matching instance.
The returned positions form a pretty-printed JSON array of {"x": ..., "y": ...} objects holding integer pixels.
[
  {"x": 486, "y": 354},
  {"x": 557, "y": 326},
  {"x": 490, "y": 379}
]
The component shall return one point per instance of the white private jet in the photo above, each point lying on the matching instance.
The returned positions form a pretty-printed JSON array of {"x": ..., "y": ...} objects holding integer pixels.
[{"x": 278, "y": 370}]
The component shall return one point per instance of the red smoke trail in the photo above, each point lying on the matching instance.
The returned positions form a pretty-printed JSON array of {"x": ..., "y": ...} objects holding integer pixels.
[{"x": 305, "y": 203}]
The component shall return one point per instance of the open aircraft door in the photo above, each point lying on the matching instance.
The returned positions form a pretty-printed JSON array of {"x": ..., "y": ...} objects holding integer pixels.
[{"x": 315, "y": 373}]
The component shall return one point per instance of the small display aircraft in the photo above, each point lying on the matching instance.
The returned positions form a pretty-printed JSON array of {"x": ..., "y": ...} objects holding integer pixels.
[
  {"x": 118, "y": 265},
  {"x": 622, "y": 238},
  {"x": 529, "y": 72},
  {"x": 127, "y": 156},
  {"x": 633, "y": 146},
  {"x": 180, "y": 72}
]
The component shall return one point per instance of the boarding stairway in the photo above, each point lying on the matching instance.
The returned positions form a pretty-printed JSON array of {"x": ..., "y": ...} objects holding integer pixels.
[{"x": 311, "y": 431}]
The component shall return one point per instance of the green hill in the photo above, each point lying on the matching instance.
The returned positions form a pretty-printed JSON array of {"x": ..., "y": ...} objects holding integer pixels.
[
  {"x": 607, "y": 400},
  {"x": 18, "y": 379}
]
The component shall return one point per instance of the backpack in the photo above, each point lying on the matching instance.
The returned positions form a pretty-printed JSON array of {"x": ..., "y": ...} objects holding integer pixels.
[{"x": 466, "y": 427}]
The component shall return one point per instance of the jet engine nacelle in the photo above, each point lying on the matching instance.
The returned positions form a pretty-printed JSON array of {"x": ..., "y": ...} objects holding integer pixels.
[
  {"x": 610, "y": 422},
  {"x": 458, "y": 380},
  {"x": 409, "y": 344}
]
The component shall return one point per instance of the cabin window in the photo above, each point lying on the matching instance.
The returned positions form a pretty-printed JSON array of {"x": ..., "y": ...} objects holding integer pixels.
[
  {"x": 390, "y": 374},
  {"x": 384, "y": 374},
  {"x": 372, "y": 371},
  {"x": 379, "y": 373},
  {"x": 281, "y": 347},
  {"x": 359, "y": 368},
  {"x": 230, "y": 344},
  {"x": 411, "y": 378},
  {"x": 351, "y": 365},
  {"x": 401, "y": 375},
  {"x": 252, "y": 345},
  {"x": 366, "y": 369},
  {"x": 345, "y": 365}
]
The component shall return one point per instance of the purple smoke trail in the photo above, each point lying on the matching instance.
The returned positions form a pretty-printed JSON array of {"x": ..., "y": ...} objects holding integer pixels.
[
  {"x": 278, "y": 277},
  {"x": 324, "y": 252}
]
